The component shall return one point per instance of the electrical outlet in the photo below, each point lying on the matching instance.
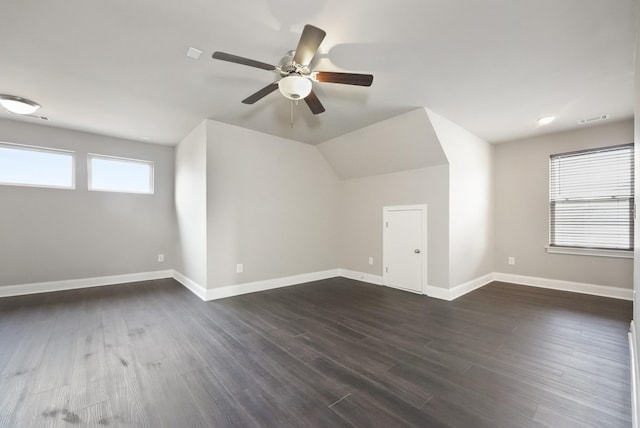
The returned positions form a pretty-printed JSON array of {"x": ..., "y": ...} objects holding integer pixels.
[
  {"x": 239, "y": 268},
  {"x": 160, "y": 258},
  {"x": 370, "y": 260},
  {"x": 512, "y": 260}
]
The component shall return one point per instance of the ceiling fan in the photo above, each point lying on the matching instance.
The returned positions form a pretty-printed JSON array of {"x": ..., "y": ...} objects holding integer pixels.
[{"x": 294, "y": 76}]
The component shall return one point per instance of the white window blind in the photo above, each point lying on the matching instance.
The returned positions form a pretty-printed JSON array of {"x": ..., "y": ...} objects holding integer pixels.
[{"x": 591, "y": 198}]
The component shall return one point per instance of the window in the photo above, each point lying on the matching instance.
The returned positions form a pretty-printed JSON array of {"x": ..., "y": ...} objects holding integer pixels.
[
  {"x": 36, "y": 166},
  {"x": 591, "y": 200},
  {"x": 113, "y": 174}
]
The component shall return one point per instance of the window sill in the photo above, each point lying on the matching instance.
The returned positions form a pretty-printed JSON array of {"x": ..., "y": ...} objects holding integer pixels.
[{"x": 623, "y": 254}]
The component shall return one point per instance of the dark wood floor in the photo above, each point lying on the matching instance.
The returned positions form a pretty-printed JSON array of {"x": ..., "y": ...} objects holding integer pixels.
[{"x": 334, "y": 353}]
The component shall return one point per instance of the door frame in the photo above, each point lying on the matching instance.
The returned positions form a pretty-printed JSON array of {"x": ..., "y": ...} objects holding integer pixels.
[{"x": 385, "y": 212}]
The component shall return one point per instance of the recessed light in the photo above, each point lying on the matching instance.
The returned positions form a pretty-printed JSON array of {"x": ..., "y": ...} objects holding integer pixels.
[
  {"x": 545, "y": 120},
  {"x": 18, "y": 105}
]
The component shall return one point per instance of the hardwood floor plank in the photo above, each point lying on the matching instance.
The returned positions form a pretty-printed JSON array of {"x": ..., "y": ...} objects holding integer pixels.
[
  {"x": 13, "y": 393},
  {"x": 218, "y": 405},
  {"x": 306, "y": 410},
  {"x": 578, "y": 405},
  {"x": 332, "y": 345},
  {"x": 129, "y": 401},
  {"x": 455, "y": 415},
  {"x": 361, "y": 412},
  {"x": 100, "y": 414},
  {"x": 295, "y": 373},
  {"x": 448, "y": 385},
  {"x": 266, "y": 411},
  {"x": 46, "y": 409},
  {"x": 29, "y": 350},
  {"x": 167, "y": 396},
  {"x": 334, "y": 353},
  {"x": 374, "y": 391}
]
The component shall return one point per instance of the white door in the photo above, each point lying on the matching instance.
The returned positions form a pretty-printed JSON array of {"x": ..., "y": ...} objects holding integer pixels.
[{"x": 404, "y": 247}]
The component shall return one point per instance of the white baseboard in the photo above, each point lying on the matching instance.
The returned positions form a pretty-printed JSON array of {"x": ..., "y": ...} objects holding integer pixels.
[
  {"x": 193, "y": 286},
  {"x": 575, "y": 287},
  {"x": 438, "y": 292},
  {"x": 72, "y": 284},
  {"x": 633, "y": 350},
  {"x": 431, "y": 291},
  {"x": 360, "y": 276},
  {"x": 450, "y": 294},
  {"x": 252, "y": 287}
]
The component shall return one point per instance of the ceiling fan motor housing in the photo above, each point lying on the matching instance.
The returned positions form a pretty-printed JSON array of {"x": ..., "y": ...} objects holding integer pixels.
[{"x": 288, "y": 66}]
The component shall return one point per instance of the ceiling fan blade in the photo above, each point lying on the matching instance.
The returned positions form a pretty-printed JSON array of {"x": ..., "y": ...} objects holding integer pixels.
[
  {"x": 241, "y": 60},
  {"x": 314, "y": 103},
  {"x": 344, "y": 78},
  {"x": 308, "y": 45},
  {"x": 261, "y": 93}
]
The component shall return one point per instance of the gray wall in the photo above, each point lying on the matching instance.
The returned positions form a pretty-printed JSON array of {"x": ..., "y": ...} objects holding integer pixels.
[
  {"x": 522, "y": 203},
  {"x": 361, "y": 205},
  {"x": 271, "y": 205},
  {"x": 54, "y": 234},
  {"x": 191, "y": 204},
  {"x": 401, "y": 143},
  {"x": 277, "y": 207},
  {"x": 398, "y": 161},
  {"x": 471, "y": 201}
]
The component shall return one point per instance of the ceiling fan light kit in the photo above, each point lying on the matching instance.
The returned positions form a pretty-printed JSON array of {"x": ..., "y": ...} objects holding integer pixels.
[
  {"x": 293, "y": 74},
  {"x": 294, "y": 87},
  {"x": 18, "y": 105}
]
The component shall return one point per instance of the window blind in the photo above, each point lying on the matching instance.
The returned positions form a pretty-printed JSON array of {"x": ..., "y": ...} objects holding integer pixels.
[{"x": 591, "y": 198}]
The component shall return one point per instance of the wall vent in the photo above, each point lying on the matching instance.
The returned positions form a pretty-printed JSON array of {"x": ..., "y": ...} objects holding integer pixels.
[{"x": 593, "y": 119}]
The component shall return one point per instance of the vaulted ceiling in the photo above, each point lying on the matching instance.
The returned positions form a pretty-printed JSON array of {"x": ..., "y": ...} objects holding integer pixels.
[{"x": 493, "y": 66}]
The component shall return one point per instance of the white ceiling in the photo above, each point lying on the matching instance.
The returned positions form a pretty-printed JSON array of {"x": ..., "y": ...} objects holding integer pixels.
[{"x": 119, "y": 67}]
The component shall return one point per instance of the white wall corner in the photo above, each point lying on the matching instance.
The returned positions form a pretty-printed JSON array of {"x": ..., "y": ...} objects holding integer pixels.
[
  {"x": 190, "y": 284},
  {"x": 361, "y": 276},
  {"x": 269, "y": 284},
  {"x": 469, "y": 286},
  {"x": 450, "y": 294},
  {"x": 574, "y": 287},
  {"x": 438, "y": 292},
  {"x": 633, "y": 347},
  {"x": 73, "y": 284}
]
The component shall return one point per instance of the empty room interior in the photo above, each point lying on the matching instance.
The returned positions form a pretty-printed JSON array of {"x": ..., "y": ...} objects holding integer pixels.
[{"x": 319, "y": 214}]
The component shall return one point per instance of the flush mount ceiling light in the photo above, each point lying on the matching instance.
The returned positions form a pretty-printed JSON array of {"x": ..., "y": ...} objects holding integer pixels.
[
  {"x": 545, "y": 120},
  {"x": 295, "y": 87},
  {"x": 18, "y": 105}
]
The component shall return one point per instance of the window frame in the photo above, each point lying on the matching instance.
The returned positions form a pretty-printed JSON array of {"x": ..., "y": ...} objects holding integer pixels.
[
  {"x": 41, "y": 149},
  {"x": 595, "y": 251},
  {"x": 151, "y": 164}
]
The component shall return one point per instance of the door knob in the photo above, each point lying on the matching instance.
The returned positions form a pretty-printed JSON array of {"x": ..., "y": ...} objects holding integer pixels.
[{"x": 417, "y": 251}]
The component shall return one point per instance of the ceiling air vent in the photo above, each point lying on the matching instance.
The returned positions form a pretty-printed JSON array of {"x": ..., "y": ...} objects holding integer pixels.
[{"x": 593, "y": 119}]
